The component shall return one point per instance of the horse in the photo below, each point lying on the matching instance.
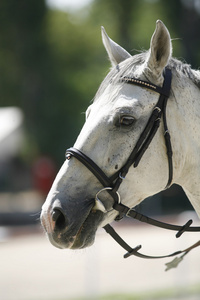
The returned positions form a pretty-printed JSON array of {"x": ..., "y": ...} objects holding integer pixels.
[{"x": 119, "y": 157}]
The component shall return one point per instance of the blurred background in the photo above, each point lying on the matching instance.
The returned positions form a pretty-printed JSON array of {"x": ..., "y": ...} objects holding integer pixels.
[{"x": 51, "y": 63}]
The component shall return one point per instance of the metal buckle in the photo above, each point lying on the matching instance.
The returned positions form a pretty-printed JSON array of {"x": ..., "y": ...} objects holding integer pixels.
[
  {"x": 157, "y": 108},
  {"x": 99, "y": 204},
  {"x": 121, "y": 177},
  {"x": 68, "y": 155}
]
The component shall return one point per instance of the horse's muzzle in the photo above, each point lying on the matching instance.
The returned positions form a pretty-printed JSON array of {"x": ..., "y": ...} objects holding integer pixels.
[{"x": 74, "y": 232}]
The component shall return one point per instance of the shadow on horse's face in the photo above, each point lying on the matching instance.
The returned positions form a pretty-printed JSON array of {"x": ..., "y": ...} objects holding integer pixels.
[
  {"x": 68, "y": 230},
  {"x": 69, "y": 215}
]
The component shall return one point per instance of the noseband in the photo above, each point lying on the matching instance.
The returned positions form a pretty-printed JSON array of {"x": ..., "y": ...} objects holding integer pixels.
[{"x": 112, "y": 184}]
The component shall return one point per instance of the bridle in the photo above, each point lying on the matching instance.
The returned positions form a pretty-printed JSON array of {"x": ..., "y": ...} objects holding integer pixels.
[{"x": 112, "y": 184}]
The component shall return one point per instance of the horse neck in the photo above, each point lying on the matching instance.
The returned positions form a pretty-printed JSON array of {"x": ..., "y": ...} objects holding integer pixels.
[{"x": 185, "y": 120}]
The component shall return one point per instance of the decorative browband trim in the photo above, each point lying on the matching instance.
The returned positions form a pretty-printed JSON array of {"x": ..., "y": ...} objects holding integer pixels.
[
  {"x": 142, "y": 83},
  {"x": 139, "y": 82}
]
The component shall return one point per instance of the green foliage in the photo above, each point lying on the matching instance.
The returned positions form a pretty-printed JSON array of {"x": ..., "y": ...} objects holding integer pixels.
[
  {"x": 52, "y": 62},
  {"x": 47, "y": 66}
]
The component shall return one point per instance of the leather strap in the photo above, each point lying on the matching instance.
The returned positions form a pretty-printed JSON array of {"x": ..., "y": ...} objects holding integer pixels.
[
  {"x": 134, "y": 251},
  {"x": 153, "y": 125},
  {"x": 89, "y": 164},
  {"x": 126, "y": 211},
  {"x": 164, "y": 90},
  {"x": 141, "y": 146},
  {"x": 143, "y": 142}
]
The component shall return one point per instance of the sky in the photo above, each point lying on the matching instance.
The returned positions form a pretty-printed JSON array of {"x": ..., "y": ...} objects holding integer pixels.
[{"x": 67, "y": 4}]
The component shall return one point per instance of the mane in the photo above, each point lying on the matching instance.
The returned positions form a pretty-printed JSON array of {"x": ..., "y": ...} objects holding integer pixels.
[
  {"x": 186, "y": 70},
  {"x": 130, "y": 66}
]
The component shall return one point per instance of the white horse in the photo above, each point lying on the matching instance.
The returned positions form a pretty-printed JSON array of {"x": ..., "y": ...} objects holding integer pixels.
[{"x": 114, "y": 123}]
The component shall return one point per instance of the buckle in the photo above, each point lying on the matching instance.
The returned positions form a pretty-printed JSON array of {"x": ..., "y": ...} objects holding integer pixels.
[
  {"x": 121, "y": 177},
  {"x": 122, "y": 209},
  {"x": 99, "y": 204}
]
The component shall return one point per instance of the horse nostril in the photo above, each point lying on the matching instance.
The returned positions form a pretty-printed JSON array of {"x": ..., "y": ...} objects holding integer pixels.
[
  {"x": 59, "y": 218},
  {"x": 56, "y": 214}
]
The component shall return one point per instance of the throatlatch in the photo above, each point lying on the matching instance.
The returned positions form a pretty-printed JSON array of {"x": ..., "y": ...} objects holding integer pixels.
[{"x": 112, "y": 184}]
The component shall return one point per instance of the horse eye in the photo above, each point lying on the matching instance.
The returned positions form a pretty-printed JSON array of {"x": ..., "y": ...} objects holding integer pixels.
[{"x": 127, "y": 120}]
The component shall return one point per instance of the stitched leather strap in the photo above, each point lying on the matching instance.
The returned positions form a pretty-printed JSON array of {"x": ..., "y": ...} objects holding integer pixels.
[
  {"x": 124, "y": 210},
  {"x": 90, "y": 164},
  {"x": 134, "y": 158},
  {"x": 133, "y": 251}
]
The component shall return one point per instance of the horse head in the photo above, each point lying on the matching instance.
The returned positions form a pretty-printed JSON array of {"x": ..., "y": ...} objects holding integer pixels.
[{"x": 114, "y": 123}]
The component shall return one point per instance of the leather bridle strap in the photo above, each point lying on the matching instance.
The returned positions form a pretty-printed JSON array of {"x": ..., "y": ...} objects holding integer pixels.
[
  {"x": 112, "y": 184},
  {"x": 168, "y": 146},
  {"x": 126, "y": 211},
  {"x": 122, "y": 209},
  {"x": 150, "y": 128},
  {"x": 134, "y": 251},
  {"x": 144, "y": 141},
  {"x": 90, "y": 165}
]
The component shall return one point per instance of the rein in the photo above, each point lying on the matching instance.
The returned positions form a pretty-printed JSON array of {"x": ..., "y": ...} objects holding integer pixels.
[{"x": 112, "y": 184}]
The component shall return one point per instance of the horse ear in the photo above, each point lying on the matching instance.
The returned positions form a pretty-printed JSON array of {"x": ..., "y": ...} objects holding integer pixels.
[
  {"x": 115, "y": 52},
  {"x": 160, "y": 50}
]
